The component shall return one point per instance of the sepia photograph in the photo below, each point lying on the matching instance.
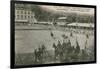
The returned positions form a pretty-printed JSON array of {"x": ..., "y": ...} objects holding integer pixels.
[{"x": 53, "y": 34}]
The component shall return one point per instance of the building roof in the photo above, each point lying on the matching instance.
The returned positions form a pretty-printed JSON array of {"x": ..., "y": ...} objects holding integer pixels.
[
  {"x": 62, "y": 18},
  {"x": 23, "y": 7},
  {"x": 82, "y": 24}
]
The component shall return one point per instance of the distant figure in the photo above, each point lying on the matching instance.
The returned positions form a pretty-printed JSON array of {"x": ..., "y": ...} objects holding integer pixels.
[
  {"x": 87, "y": 36},
  {"x": 56, "y": 51},
  {"x": 52, "y": 34},
  {"x": 71, "y": 34},
  {"x": 77, "y": 47},
  {"x": 35, "y": 53},
  {"x": 54, "y": 23}
]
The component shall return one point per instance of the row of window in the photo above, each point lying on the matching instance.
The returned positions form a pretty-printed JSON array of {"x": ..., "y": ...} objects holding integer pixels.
[
  {"x": 24, "y": 12},
  {"x": 23, "y": 17}
]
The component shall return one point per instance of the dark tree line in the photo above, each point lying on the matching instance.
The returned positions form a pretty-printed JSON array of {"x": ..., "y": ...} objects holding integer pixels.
[{"x": 43, "y": 15}]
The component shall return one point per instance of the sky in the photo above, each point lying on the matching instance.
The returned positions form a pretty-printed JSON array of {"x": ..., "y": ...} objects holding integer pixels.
[{"x": 67, "y": 9}]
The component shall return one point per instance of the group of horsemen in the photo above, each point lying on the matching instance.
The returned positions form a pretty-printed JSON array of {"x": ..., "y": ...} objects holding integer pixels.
[{"x": 63, "y": 52}]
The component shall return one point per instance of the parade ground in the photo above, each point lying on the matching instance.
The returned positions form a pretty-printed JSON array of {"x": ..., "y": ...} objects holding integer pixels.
[{"x": 28, "y": 38}]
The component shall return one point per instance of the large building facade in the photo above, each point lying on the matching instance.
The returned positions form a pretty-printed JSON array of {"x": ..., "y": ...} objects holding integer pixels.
[{"x": 24, "y": 14}]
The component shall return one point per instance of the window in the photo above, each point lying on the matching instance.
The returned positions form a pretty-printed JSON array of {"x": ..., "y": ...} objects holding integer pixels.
[
  {"x": 25, "y": 12},
  {"x": 21, "y": 16},
  {"x": 31, "y": 16},
  {"x": 17, "y": 16},
  {"x": 21, "y": 12},
  {"x": 25, "y": 16},
  {"x": 28, "y": 12},
  {"x": 28, "y": 16}
]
